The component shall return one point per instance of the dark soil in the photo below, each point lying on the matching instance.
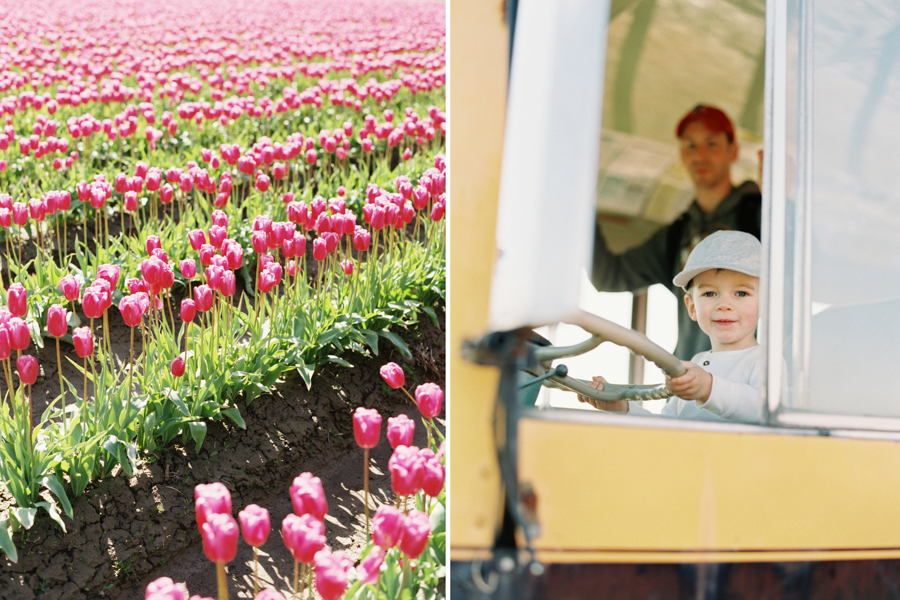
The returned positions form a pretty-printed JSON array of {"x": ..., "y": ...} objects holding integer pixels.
[{"x": 130, "y": 531}]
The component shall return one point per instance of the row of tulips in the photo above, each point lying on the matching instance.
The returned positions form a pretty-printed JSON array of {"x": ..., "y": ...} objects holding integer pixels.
[{"x": 394, "y": 561}]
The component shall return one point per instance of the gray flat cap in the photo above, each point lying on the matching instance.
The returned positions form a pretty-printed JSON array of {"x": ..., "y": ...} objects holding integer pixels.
[{"x": 733, "y": 250}]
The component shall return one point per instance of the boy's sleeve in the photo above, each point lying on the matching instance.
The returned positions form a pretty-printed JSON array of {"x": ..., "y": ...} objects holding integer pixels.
[{"x": 737, "y": 402}]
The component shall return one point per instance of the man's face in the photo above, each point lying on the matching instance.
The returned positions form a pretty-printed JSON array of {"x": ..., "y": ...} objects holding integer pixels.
[{"x": 706, "y": 155}]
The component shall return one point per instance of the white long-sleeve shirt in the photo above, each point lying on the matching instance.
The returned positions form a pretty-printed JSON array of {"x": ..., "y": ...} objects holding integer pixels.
[{"x": 735, "y": 390}]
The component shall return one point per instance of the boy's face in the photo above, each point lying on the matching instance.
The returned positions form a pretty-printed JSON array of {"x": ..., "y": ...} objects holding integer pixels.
[{"x": 725, "y": 304}]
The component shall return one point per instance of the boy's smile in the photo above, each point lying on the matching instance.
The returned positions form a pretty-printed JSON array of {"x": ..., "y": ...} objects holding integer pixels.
[{"x": 725, "y": 304}]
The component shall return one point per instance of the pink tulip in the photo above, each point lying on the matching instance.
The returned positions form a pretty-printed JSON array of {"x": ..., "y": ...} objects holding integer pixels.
[
  {"x": 303, "y": 536},
  {"x": 405, "y": 466},
  {"x": 387, "y": 526},
  {"x": 400, "y": 430},
  {"x": 17, "y": 300},
  {"x": 216, "y": 236},
  {"x": 432, "y": 473},
  {"x": 92, "y": 303},
  {"x": 166, "y": 193},
  {"x": 347, "y": 267},
  {"x": 366, "y": 427},
  {"x": 165, "y": 589},
  {"x": 254, "y": 525},
  {"x": 214, "y": 276},
  {"x": 188, "y": 268},
  {"x": 197, "y": 238},
  {"x": 207, "y": 251},
  {"x": 19, "y": 336},
  {"x": 308, "y": 496},
  {"x": 266, "y": 594},
  {"x": 188, "y": 310},
  {"x": 320, "y": 251},
  {"x": 220, "y": 536},
  {"x": 262, "y": 182},
  {"x": 5, "y": 347},
  {"x": 393, "y": 375},
  {"x": 260, "y": 242},
  {"x": 203, "y": 298},
  {"x": 56, "y": 320},
  {"x": 20, "y": 213},
  {"x": 132, "y": 310},
  {"x": 152, "y": 243},
  {"x": 210, "y": 499},
  {"x": 84, "y": 341},
  {"x": 416, "y": 529},
  {"x": 27, "y": 366},
  {"x": 177, "y": 366},
  {"x": 429, "y": 397},
  {"x": 228, "y": 285},
  {"x": 361, "y": 239},
  {"x": 109, "y": 273},
  {"x": 370, "y": 568},
  {"x": 331, "y": 573}
]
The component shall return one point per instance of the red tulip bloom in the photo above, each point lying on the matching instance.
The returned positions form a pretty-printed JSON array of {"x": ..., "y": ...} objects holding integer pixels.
[
  {"x": 165, "y": 589},
  {"x": 152, "y": 243},
  {"x": 416, "y": 529},
  {"x": 109, "y": 273},
  {"x": 5, "y": 347},
  {"x": 361, "y": 239},
  {"x": 393, "y": 375},
  {"x": 56, "y": 320},
  {"x": 188, "y": 268},
  {"x": 220, "y": 536},
  {"x": 211, "y": 499},
  {"x": 304, "y": 536},
  {"x": 387, "y": 526},
  {"x": 432, "y": 473},
  {"x": 228, "y": 285},
  {"x": 177, "y": 366},
  {"x": 166, "y": 193},
  {"x": 320, "y": 251},
  {"x": 331, "y": 573},
  {"x": 203, "y": 297},
  {"x": 366, "y": 427},
  {"x": 308, "y": 496},
  {"x": 429, "y": 397},
  {"x": 132, "y": 310},
  {"x": 370, "y": 568},
  {"x": 27, "y": 366},
  {"x": 197, "y": 239},
  {"x": 347, "y": 267},
  {"x": 254, "y": 525},
  {"x": 84, "y": 341},
  {"x": 405, "y": 466},
  {"x": 19, "y": 336},
  {"x": 400, "y": 430},
  {"x": 17, "y": 300}
]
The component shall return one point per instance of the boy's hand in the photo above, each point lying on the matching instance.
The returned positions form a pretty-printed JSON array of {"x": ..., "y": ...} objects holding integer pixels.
[
  {"x": 618, "y": 406},
  {"x": 695, "y": 384}
]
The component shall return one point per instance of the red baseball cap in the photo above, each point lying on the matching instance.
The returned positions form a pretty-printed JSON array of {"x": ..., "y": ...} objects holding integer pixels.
[{"x": 714, "y": 119}]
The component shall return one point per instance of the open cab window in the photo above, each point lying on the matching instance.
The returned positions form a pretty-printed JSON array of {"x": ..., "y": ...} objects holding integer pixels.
[{"x": 810, "y": 84}]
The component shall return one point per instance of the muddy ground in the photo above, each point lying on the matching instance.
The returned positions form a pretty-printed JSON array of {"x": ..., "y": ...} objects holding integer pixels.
[{"x": 127, "y": 532}]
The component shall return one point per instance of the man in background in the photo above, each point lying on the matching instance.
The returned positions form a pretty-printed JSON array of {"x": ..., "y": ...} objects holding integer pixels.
[{"x": 708, "y": 148}]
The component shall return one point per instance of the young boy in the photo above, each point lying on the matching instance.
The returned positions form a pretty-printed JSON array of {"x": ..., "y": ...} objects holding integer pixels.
[{"x": 721, "y": 283}]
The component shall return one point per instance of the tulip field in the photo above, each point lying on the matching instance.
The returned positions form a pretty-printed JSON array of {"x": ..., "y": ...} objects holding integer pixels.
[{"x": 200, "y": 202}]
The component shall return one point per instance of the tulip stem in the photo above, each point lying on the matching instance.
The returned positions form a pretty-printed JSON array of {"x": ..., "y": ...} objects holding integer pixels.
[
  {"x": 255, "y": 572},
  {"x": 296, "y": 577},
  {"x": 10, "y": 389},
  {"x": 62, "y": 389},
  {"x": 366, "y": 484},
  {"x": 131, "y": 374},
  {"x": 410, "y": 395},
  {"x": 222, "y": 581}
]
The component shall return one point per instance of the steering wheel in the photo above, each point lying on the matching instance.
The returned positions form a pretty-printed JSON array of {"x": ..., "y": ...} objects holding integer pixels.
[{"x": 602, "y": 330}]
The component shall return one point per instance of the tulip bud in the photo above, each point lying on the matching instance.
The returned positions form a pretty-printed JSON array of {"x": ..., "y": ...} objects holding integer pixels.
[
  {"x": 177, "y": 366},
  {"x": 405, "y": 466},
  {"x": 56, "y": 321},
  {"x": 19, "y": 336},
  {"x": 387, "y": 526},
  {"x": 16, "y": 300},
  {"x": 27, "y": 366},
  {"x": 370, "y": 568},
  {"x": 210, "y": 499},
  {"x": 432, "y": 473},
  {"x": 165, "y": 589},
  {"x": 366, "y": 427},
  {"x": 152, "y": 243},
  {"x": 188, "y": 310},
  {"x": 308, "y": 496},
  {"x": 84, "y": 341},
  {"x": 393, "y": 375},
  {"x": 254, "y": 525},
  {"x": 331, "y": 573},
  {"x": 197, "y": 239},
  {"x": 68, "y": 285},
  {"x": 303, "y": 535},
  {"x": 188, "y": 268},
  {"x": 203, "y": 297},
  {"x": 109, "y": 273},
  {"x": 220, "y": 535},
  {"x": 429, "y": 397},
  {"x": 416, "y": 529},
  {"x": 400, "y": 430},
  {"x": 320, "y": 251}
]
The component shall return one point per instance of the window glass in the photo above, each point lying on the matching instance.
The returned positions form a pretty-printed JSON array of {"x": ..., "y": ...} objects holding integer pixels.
[{"x": 842, "y": 280}]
